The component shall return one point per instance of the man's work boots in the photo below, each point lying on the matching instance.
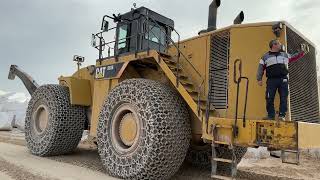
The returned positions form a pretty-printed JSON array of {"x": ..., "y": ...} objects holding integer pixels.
[
  {"x": 268, "y": 118},
  {"x": 282, "y": 118}
]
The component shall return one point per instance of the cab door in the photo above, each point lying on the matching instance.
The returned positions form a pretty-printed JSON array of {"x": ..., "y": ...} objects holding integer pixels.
[{"x": 122, "y": 43}]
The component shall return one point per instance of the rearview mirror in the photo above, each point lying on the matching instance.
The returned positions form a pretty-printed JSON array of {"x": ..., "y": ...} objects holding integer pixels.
[
  {"x": 93, "y": 40},
  {"x": 105, "y": 24}
]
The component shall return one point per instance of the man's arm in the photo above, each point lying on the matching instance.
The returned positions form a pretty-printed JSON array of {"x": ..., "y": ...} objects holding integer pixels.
[
  {"x": 302, "y": 52},
  {"x": 260, "y": 72},
  {"x": 296, "y": 56}
]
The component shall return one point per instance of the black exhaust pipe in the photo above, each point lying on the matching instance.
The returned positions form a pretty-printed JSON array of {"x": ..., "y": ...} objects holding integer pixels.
[
  {"x": 239, "y": 19},
  {"x": 212, "y": 17}
]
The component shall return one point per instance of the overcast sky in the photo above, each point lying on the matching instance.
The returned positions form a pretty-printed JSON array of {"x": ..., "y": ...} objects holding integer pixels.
[{"x": 41, "y": 36}]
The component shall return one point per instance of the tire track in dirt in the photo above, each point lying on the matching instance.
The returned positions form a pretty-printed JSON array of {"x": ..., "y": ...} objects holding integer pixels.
[
  {"x": 17, "y": 172},
  {"x": 86, "y": 156}
]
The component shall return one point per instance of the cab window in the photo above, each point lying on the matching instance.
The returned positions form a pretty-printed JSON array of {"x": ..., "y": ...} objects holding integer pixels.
[
  {"x": 122, "y": 38},
  {"x": 156, "y": 34}
]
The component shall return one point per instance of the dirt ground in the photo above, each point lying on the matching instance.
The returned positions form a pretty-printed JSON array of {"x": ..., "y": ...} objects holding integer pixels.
[{"x": 17, "y": 164}]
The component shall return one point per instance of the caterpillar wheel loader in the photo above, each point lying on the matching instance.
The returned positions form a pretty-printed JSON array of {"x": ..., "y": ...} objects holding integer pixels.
[{"x": 150, "y": 102}]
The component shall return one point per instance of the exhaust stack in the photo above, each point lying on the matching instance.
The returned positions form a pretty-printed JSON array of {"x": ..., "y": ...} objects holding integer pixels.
[
  {"x": 239, "y": 19},
  {"x": 212, "y": 17}
]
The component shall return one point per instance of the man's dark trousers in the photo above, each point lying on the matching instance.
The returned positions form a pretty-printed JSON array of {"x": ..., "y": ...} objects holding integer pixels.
[{"x": 274, "y": 84}]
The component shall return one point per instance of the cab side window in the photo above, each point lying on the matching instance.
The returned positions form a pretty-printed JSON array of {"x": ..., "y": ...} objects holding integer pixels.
[
  {"x": 156, "y": 34},
  {"x": 123, "y": 36}
]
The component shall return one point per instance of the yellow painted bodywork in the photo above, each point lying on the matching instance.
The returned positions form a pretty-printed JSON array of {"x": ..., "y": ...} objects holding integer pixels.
[
  {"x": 101, "y": 90},
  {"x": 248, "y": 43},
  {"x": 197, "y": 52},
  {"x": 255, "y": 133},
  {"x": 308, "y": 135},
  {"x": 80, "y": 90}
]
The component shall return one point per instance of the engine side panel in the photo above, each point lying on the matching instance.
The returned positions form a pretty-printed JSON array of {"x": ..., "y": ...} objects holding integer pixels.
[{"x": 249, "y": 44}]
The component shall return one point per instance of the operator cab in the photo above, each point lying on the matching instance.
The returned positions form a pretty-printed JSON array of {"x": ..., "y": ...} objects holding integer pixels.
[{"x": 139, "y": 30}]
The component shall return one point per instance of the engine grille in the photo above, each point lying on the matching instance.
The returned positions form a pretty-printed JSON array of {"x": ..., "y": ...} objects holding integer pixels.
[
  {"x": 219, "y": 60},
  {"x": 303, "y": 85}
]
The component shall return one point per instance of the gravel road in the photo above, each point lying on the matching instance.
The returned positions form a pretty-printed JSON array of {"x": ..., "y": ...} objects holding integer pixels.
[{"x": 16, "y": 163}]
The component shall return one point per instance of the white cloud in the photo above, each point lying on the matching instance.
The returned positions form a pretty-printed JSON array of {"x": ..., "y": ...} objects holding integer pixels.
[
  {"x": 2, "y": 92},
  {"x": 19, "y": 97}
]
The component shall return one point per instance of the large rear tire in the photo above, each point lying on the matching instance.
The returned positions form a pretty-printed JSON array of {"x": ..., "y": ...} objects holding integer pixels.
[
  {"x": 53, "y": 126},
  {"x": 144, "y": 130}
]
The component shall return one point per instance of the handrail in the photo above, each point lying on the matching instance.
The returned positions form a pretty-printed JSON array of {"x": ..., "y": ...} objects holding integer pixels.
[
  {"x": 168, "y": 38},
  {"x": 178, "y": 62},
  {"x": 235, "y": 132},
  {"x": 235, "y": 70}
]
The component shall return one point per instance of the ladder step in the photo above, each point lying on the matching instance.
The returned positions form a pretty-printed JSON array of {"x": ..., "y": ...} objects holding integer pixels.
[
  {"x": 173, "y": 66},
  {"x": 191, "y": 90},
  {"x": 185, "y": 82},
  {"x": 290, "y": 151},
  {"x": 175, "y": 69},
  {"x": 170, "y": 62},
  {"x": 183, "y": 76},
  {"x": 221, "y": 142},
  {"x": 221, "y": 177},
  {"x": 223, "y": 160},
  {"x": 164, "y": 55}
]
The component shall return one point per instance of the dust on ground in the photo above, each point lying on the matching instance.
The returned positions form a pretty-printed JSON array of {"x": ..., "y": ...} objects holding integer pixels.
[
  {"x": 251, "y": 167},
  {"x": 17, "y": 172}
]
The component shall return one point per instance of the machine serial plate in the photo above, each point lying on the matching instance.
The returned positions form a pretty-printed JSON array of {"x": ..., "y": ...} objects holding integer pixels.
[{"x": 108, "y": 72}]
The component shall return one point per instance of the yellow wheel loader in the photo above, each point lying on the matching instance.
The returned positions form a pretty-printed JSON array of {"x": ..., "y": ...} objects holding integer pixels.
[{"x": 151, "y": 101}]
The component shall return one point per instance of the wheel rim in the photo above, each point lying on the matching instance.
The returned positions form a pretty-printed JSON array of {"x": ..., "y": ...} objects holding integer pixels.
[
  {"x": 125, "y": 129},
  {"x": 128, "y": 129},
  {"x": 40, "y": 119}
]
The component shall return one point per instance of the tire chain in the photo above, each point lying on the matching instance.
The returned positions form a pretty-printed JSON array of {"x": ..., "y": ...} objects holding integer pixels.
[
  {"x": 165, "y": 136},
  {"x": 65, "y": 122}
]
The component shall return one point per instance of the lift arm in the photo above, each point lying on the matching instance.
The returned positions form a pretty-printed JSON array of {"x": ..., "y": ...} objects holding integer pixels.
[{"x": 27, "y": 80}]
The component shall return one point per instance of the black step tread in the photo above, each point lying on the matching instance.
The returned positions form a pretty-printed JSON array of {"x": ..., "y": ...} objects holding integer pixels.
[
  {"x": 185, "y": 82},
  {"x": 164, "y": 55},
  {"x": 172, "y": 61},
  {"x": 191, "y": 90}
]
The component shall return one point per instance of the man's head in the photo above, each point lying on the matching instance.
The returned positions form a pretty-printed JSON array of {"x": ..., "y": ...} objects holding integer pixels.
[{"x": 275, "y": 45}]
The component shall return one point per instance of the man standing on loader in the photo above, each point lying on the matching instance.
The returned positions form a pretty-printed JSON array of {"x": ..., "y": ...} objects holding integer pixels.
[{"x": 275, "y": 62}]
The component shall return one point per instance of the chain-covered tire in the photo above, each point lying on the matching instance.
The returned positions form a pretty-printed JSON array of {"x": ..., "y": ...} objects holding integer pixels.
[
  {"x": 144, "y": 130},
  {"x": 53, "y": 126}
]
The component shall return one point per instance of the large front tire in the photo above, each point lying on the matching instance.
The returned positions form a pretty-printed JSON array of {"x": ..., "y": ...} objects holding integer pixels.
[
  {"x": 144, "y": 131},
  {"x": 53, "y": 126}
]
